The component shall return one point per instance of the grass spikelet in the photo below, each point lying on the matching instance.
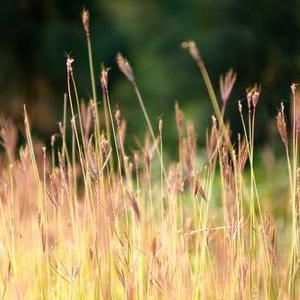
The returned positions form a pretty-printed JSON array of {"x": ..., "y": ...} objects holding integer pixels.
[
  {"x": 281, "y": 126},
  {"x": 226, "y": 85},
  {"x": 134, "y": 204},
  {"x": 125, "y": 67}
]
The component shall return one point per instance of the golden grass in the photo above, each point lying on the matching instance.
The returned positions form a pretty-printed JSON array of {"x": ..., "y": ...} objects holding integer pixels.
[{"x": 87, "y": 220}]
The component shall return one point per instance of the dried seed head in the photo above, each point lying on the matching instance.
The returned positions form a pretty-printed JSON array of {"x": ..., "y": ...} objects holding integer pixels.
[
  {"x": 85, "y": 18},
  {"x": 147, "y": 157},
  {"x": 249, "y": 98},
  {"x": 198, "y": 189},
  {"x": 226, "y": 85},
  {"x": 281, "y": 125},
  {"x": 240, "y": 107},
  {"x": 125, "y": 67},
  {"x": 293, "y": 88},
  {"x": 193, "y": 50},
  {"x": 243, "y": 154},
  {"x": 295, "y": 107},
  {"x": 134, "y": 204},
  {"x": 69, "y": 64},
  {"x": 255, "y": 98},
  {"x": 160, "y": 126},
  {"x": 53, "y": 138},
  {"x": 92, "y": 162},
  {"x": 118, "y": 117},
  {"x": 212, "y": 139},
  {"x": 55, "y": 188},
  {"x": 8, "y": 137},
  {"x": 104, "y": 146},
  {"x": 104, "y": 78}
]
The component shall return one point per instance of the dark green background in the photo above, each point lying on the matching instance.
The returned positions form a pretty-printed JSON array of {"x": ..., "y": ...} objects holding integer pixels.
[{"x": 260, "y": 39}]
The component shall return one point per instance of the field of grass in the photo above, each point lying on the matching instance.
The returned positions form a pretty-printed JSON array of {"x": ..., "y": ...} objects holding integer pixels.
[{"x": 88, "y": 219}]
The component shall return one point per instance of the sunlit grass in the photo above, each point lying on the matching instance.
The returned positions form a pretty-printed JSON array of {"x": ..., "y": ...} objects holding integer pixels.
[{"x": 90, "y": 220}]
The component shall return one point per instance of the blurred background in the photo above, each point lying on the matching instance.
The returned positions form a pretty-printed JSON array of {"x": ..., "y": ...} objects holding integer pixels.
[{"x": 259, "y": 39}]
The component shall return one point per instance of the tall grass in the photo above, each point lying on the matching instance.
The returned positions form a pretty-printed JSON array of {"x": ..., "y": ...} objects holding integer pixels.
[{"x": 88, "y": 220}]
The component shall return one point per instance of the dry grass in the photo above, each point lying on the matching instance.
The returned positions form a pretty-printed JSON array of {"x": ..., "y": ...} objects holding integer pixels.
[{"x": 90, "y": 221}]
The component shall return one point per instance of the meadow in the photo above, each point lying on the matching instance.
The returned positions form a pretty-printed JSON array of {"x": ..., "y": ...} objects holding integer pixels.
[{"x": 91, "y": 218}]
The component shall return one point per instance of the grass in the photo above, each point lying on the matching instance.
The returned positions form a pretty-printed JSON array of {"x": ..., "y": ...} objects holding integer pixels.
[{"x": 87, "y": 220}]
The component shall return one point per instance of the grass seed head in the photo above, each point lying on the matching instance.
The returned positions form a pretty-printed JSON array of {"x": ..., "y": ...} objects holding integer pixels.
[
  {"x": 69, "y": 64},
  {"x": 193, "y": 50},
  {"x": 134, "y": 205},
  {"x": 104, "y": 78},
  {"x": 243, "y": 154},
  {"x": 281, "y": 125},
  {"x": 160, "y": 126},
  {"x": 118, "y": 117},
  {"x": 226, "y": 85},
  {"x": 104, "y": 144},
  {"x": 125, "y": 67},
  {"x": 85, "y": 18}
]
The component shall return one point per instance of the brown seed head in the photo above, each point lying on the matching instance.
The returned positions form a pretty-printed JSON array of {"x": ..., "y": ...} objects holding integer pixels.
[
  {"x": 160, "y": 126},
  {"x": 104, "y": 146},
  {"x": 242, "y": 154},
  {"x": 53, "y": 139},
  {"x": 295, "y": 107},
  {"x": 281, "y": 125},
  {"x": 193, "y": 50},
  {"x": 134, "y": 204},
  {"x": 198, "y": 189},
  {"x": 226, "y": 85},
  {"x": 104, "y": 78},
  {"x": 240, "y": 107},
  {"x": 85, "y": 18},
  {"x": 118, "y": 117},
  {"x": 69, "y": 64},
  {"x": 249, "y": 99},
  {"x": 293, "y": 88},
  {"x": 253, "y": 96},
  {"x": 125, "y": 67}
]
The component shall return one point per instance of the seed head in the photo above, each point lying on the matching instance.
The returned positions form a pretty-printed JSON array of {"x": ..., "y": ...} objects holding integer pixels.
[
  {"x": 125, "y": 67},
  {"x": 249, "y": 99},
  {"x": 104, "y": 78},
  {"x": 104, "y": 146},
  {"x": 293, "y": 88},
  {"x": 193, "y": 50},
  {"x": 295, "y": 108},
  {"x": 240, "y": 106},
  {"x": 242, "y": 154},
  {"x": 69, "y": 64},
  {"x": 226, "y": 85},
  {"x": 85, "y": 18},
  {"x": 53, "y": 139},
  {"x": 160, "y": 126},
  {"x": 198, "y": 189},
  {"x": 281, "y": 125},
  {"x": 253, "y": 96},
  {"x": 118, "y": 117},
  {"x": 134, "y": 204}
]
